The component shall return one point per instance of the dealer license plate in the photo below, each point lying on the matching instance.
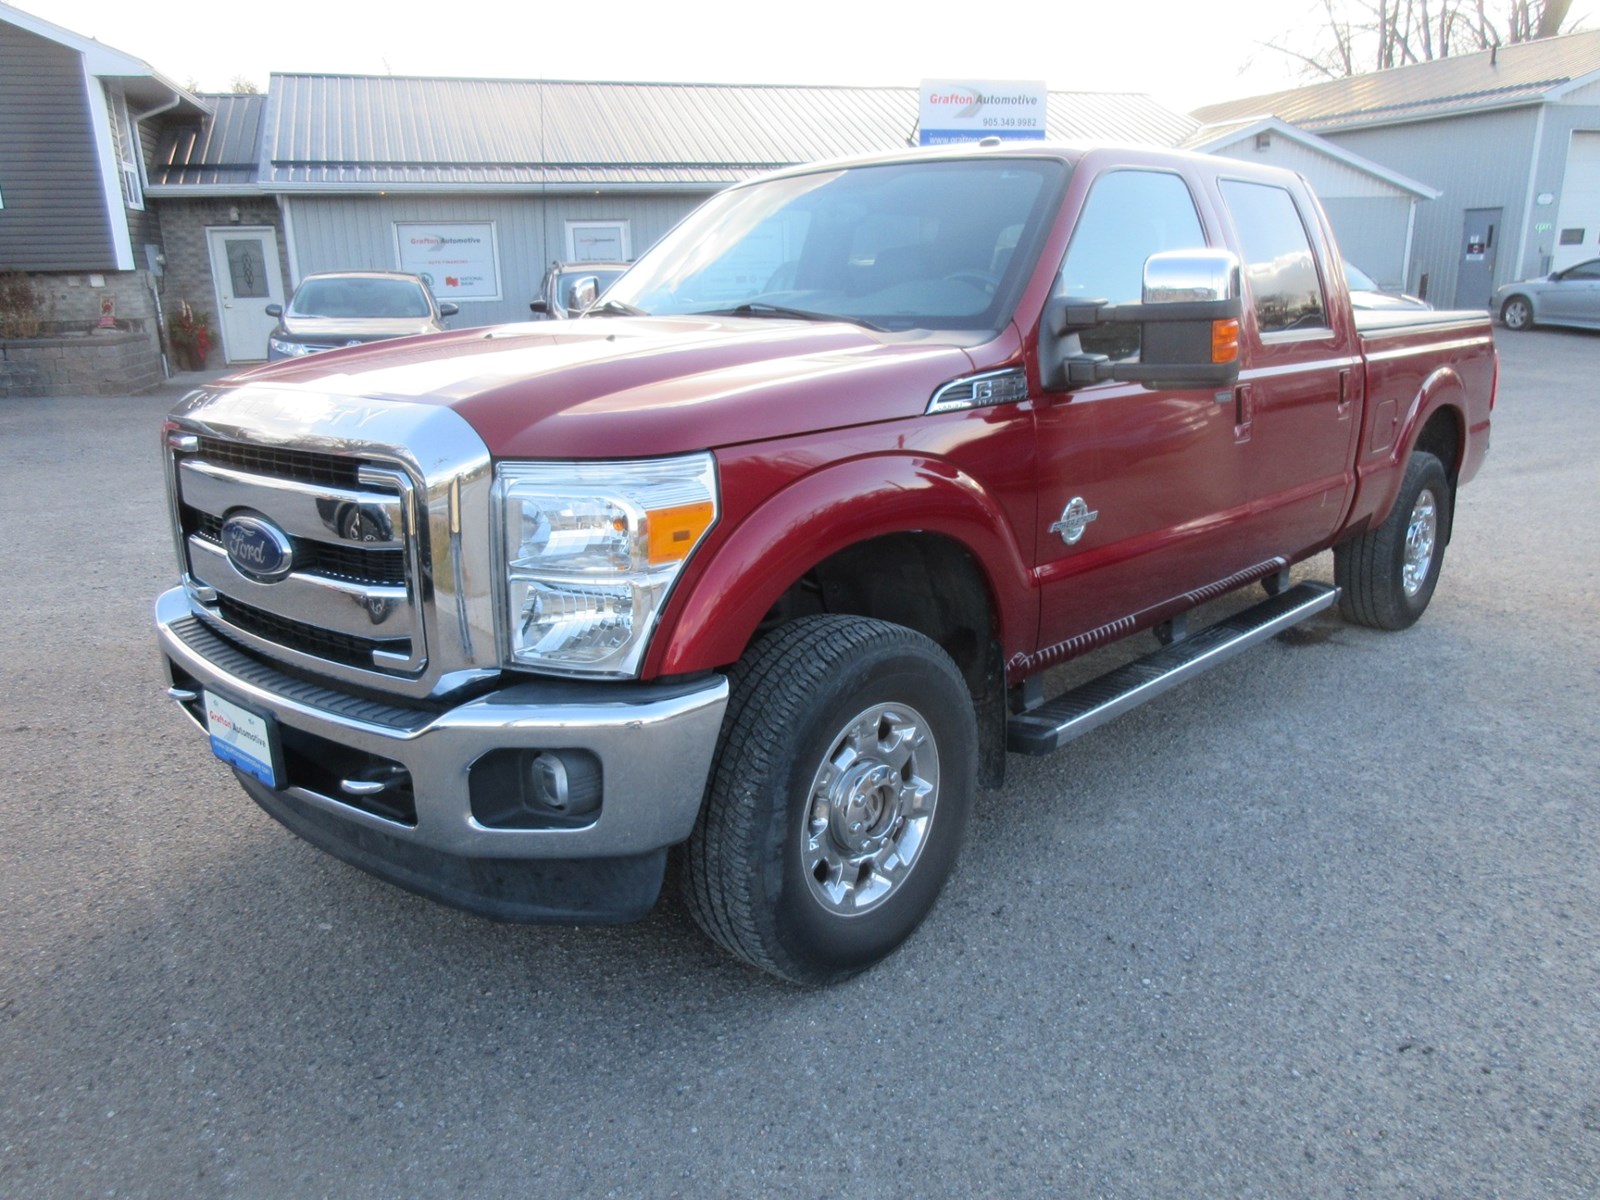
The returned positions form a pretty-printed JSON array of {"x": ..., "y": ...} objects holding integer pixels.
[{"x": 243, "y": 739}]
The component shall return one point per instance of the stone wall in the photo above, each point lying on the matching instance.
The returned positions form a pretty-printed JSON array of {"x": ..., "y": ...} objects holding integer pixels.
[{"x": 102, "y": 363}]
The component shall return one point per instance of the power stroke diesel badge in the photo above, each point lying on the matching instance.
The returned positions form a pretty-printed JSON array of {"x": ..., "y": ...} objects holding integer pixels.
[
  {"x": 257, "y": 548},
  {"x": 1075, "y": 519}
]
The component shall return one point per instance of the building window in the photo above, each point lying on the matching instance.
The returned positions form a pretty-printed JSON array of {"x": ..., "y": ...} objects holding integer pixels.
[
  {"x": 125, "y": 138},
  {"x": 597, "y": 241},
  {"x": 1572, "y": 237}
]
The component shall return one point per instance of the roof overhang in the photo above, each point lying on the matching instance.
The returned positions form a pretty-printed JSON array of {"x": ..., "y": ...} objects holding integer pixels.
[
  {"x": 1239, "y": 130},
  {"x": 145, "y": 87}
]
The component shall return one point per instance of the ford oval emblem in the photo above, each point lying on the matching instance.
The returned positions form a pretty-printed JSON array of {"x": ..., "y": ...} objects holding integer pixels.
[{"x": 257, "y": 548}]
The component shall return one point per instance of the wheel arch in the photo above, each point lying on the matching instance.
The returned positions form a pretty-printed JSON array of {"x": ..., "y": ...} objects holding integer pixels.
[
  {"x": 1526, "y": 298},
  {"x": 905, "y": 516},
  {"x": 1435, "y": 421}
]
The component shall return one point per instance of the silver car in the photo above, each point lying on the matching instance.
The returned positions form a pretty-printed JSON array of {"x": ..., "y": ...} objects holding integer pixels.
[
  {"x": 346, "y": 308},
  {"x": 1569, "y": 297}
]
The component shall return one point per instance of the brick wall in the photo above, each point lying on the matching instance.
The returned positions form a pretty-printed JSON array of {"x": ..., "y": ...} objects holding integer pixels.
[
  {"x": 73, "y": 299},
  {"x": 183, "y": 229}
]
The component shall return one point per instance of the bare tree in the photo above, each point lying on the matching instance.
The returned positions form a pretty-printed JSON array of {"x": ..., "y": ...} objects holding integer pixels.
[{"x": 1351, "y": 37}]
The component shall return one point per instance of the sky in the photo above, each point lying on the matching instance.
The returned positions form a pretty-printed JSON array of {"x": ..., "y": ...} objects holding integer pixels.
[{"x": 1184, "y": 53}]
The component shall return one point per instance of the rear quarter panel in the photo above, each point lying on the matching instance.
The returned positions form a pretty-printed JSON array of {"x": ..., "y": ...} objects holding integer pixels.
[{"x": 1417, "y": 364}]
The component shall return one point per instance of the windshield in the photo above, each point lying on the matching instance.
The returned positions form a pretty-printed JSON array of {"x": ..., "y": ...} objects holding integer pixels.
[
  {"x": 360, "y": 298},
  {"x": 916, "y": 245}
]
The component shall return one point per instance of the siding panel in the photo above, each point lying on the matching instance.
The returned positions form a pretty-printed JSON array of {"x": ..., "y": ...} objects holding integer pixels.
[
  {"x": 55, "y": 210},
  {"x": 1478, "y": 161},
  {"x": 347, "y": 233}
]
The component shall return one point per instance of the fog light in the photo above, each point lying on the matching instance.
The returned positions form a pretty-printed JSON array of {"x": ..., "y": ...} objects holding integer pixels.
[
  {"x": 548, "y": 779},
  {"x": 535, "y": 789}
]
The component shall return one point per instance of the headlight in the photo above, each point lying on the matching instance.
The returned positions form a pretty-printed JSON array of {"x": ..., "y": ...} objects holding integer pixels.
[
  {"x": 289, "y": 349},
  {"x": 591, "y": 551}
]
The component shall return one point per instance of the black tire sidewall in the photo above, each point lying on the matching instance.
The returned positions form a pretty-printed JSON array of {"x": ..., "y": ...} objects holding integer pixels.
[
  {"x": 1426, "y": 473},
  {"x": 825, "y": 945}
]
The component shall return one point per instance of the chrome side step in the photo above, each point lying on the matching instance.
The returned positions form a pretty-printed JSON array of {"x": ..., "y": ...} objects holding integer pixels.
[{"x": 1072, "y": 714}]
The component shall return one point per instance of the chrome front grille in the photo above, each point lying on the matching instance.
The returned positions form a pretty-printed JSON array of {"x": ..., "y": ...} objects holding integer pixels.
[
  {"x": 354, "y": 592},
  {"x": 374, "y": 517}
]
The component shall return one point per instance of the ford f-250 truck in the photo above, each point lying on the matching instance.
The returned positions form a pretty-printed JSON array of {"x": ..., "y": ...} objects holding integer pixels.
[{"x": 765, "y": 557}]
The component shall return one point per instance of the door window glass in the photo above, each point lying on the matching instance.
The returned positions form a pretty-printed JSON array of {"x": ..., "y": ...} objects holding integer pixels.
[
  {"x": 1129, "y": 216},
  {"x": 1279, "y": 269},
  {"x": 247, "y": 268}
]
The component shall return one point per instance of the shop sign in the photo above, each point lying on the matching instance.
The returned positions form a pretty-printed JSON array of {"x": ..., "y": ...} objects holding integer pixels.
[
  {"x": 965, "y": 110},
  {"x": 458, "y": 261}
]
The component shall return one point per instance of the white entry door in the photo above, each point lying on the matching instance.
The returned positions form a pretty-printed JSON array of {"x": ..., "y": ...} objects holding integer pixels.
[{"x": 244, "y": 263}]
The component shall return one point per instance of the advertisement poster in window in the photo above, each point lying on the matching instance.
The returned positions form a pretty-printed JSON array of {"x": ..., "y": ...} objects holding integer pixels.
[{"x": 459, "y": 261}]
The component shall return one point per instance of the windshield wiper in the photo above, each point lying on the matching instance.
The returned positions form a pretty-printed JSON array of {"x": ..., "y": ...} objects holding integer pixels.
[
  {"x": 613, "y": 308},
  {"x": 757, "y": 308}
]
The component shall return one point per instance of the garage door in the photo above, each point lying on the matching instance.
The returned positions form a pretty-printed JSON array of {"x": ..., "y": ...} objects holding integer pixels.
[{"x": 1578, "y": 225}]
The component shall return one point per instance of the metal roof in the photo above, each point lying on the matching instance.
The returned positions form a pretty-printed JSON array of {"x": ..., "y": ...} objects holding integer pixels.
[
  {"x": 1525, "y": 73},
  {"x": 220, "y": 153},
  {"x": 356, "y": 132}
]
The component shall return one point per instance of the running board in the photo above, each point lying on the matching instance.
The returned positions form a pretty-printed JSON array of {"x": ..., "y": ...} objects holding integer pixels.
[{"x": 1072, "y": 714}]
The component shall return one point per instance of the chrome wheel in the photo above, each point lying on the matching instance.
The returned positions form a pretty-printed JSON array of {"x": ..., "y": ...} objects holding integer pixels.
[
  {"x": 1422, "y": 532},
  {"x": 870, "y": 808}
]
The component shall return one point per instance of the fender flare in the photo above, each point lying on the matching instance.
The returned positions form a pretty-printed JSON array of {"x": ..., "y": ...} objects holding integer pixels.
[
  {"x": 719, "y": 605},
  {"x": 1380, "y": 481}
]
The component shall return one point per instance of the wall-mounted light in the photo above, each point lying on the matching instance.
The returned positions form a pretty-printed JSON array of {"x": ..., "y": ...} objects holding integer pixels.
[{"x": 233, "y": 213}]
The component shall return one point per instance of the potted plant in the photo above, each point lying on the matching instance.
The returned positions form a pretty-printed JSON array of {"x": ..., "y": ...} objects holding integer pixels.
[{"x": 189, "y": 332}]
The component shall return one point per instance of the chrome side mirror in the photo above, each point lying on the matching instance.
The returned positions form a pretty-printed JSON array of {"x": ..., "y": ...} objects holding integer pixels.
[
  {"x": 583, "y": 293},
  {"x": 1191, "y": 277},
  {"x": 1189, "y": 310}
]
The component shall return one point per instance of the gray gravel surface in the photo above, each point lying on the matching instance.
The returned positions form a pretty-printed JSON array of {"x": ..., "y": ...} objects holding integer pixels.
[{"x": 1324, "y": 922}]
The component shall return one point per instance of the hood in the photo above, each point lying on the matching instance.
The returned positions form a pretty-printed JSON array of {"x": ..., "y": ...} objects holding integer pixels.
[
  {"x": 639, "y": 387},
  {"x": 366, "y": 328}
]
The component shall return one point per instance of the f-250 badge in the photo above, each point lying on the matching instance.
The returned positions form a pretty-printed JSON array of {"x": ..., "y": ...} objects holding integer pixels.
[{"x": 1075, "y": 519}]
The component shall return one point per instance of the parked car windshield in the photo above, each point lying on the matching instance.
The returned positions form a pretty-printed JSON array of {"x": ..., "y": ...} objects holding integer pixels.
[
  {"x": 916, "y": 245},
  {"x": 359, "y": 298}
]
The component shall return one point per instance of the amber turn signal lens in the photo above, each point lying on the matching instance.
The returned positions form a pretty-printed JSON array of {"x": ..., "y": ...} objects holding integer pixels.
[
  {"x": 674, "y": 531},
  {"x": 1224, "y": 340}
]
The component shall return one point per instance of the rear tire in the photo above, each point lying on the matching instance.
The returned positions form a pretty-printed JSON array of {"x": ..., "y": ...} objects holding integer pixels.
[
  {"x": 1387, "y": 575},
  {"x": 838, "y": 797},
  {"x": 1517, "y": 313}
]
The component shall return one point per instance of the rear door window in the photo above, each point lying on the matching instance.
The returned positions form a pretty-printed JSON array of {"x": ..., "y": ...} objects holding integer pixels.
[{"x": 1280, "y": 271}]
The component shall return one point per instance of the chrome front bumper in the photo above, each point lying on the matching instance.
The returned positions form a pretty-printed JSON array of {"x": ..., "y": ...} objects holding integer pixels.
[{"x": 654, "y": 744}]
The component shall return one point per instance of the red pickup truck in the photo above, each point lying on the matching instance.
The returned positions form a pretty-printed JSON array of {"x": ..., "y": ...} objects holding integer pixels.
[{"x": 765, "y": 558}]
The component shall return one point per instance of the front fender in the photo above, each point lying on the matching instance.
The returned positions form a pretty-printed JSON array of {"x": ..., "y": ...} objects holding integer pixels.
[{"x": 718, "y": 607}]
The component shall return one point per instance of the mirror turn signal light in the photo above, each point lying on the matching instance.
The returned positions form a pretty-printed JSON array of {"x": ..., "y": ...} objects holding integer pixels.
[{"x": 1225, "y": 340}]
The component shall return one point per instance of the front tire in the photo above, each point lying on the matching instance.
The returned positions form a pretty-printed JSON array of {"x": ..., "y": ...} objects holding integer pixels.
[
  {"x": 1517, "y": 313},
  {"x": 1387, "y": 575},
  {"x": 838, "y": 797}
]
